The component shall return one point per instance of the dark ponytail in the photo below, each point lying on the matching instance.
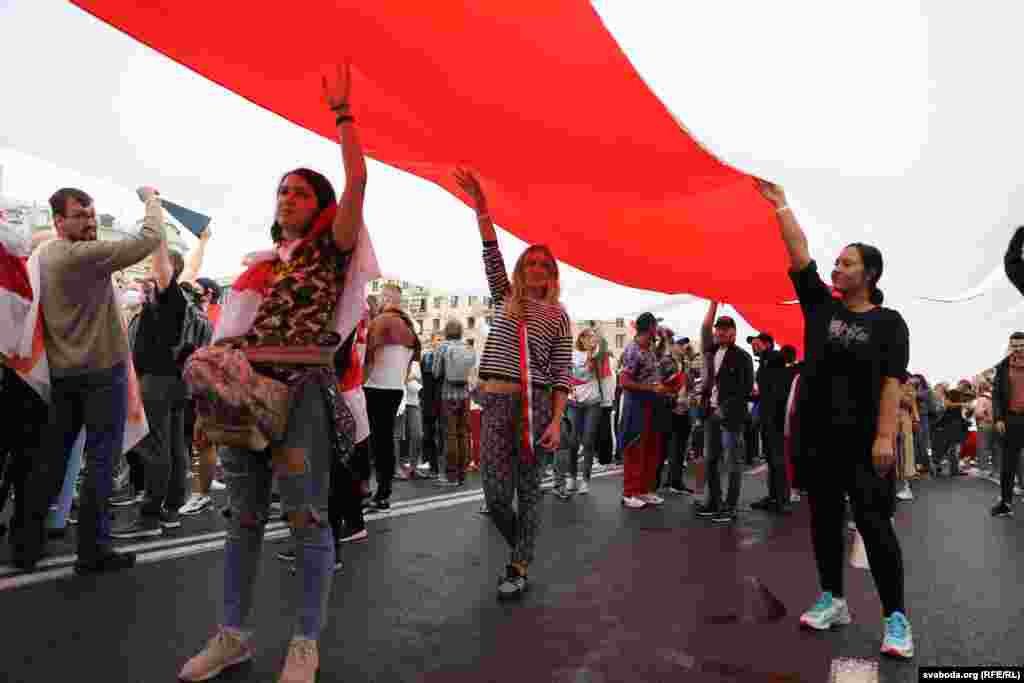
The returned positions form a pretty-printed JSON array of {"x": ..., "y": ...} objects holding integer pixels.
[
  {"x": 871, "y": 257},
  {"x": 322, "y": 188}
]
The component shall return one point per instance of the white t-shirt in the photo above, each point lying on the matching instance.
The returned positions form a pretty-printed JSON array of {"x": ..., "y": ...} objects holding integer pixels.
[
  {"x": 719, "y": 357},
  {"x": 389, "y": 367}
]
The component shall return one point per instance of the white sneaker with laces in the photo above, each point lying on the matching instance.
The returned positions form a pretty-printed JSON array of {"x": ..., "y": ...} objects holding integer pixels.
[
  {"x": 225, "y": 650},
  {"x": 570, "y": 484},
  {"x": 584, "y": 487},
  {"x": 633, "y": 502},
  {"x": 217, "y": 485},
  {"x": 302, "y": 663},
  {"x": 196, "y": 504},
  {"x": 905, "y": 493}
]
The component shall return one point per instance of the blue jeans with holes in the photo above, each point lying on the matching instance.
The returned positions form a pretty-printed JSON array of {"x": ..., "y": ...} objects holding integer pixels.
[
  {"x": 722, "y": 445},
  {"x": 301, "y": 464}
]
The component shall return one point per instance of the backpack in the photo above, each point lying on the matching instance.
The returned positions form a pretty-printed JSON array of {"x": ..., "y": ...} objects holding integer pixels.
[{"x": 459, "y": 361}]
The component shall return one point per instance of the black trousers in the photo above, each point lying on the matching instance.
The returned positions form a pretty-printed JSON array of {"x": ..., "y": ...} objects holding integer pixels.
[
  {"x": 430, "y": 447},
  {"x": 25, "y": 416},
  {"x": 1013, "y": 442},
  {"x": 345, "y": 500},
  {"x": 774, "y": 439},
  {"x": 848, "y": 470},
  {"x": 381, "y": 407},
  {"x": 678, "y": 442}
]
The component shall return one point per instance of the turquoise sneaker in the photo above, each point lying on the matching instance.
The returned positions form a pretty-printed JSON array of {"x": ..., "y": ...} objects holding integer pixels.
[
  {"x": 899, "y": 641},
  {"x": 827, "y": 612}
]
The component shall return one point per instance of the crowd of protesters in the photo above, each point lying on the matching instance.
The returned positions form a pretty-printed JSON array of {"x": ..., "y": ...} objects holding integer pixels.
[{"x": 340, "y": 394}]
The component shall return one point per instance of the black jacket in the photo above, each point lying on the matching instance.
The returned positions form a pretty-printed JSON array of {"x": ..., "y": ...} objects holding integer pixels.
[
  {"x": 735, "y": 382},
  {"x": 1001, "y": 391},
  {"x": 770, "y": 386}
]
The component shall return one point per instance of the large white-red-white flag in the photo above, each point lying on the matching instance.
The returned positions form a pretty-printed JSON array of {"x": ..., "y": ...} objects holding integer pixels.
[{"x": 21, "y": 330}]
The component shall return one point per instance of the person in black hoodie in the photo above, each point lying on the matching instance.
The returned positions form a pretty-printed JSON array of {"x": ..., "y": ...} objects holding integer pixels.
[
  {"x": 771, "y": 388},
  {"x": 857, "y": 352}
]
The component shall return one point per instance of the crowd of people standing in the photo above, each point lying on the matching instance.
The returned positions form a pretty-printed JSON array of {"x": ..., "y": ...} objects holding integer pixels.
[{"x": 296, "y": 392}]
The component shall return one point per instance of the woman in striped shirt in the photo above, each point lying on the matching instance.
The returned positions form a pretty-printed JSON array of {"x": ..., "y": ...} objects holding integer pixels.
[{"x": 524, "y": 382}]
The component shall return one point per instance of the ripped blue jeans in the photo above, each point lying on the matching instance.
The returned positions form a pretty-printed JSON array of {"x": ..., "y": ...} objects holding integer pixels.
[{"x": 301, "y": 463}]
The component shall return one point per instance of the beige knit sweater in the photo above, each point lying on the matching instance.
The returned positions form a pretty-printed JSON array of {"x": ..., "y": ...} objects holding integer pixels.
[{"x": 81, "y": 313}]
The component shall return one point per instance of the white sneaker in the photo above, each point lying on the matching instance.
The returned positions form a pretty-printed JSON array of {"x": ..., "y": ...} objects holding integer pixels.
[
  {"x": 217, "y": 485},
  {"x": 584, "y": 487},
  {"x": 652, "y": 499},
  {"x": 570, "y": 484},
  {"x": 827, "y": 612},
  {"x": 634, "y": 502},
  {"x": 195, "y": 505},
  {"x": 905, "y": 493}
]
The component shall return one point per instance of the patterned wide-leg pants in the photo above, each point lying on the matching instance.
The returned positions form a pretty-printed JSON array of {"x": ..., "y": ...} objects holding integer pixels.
[{"x": 510, "y": 475}]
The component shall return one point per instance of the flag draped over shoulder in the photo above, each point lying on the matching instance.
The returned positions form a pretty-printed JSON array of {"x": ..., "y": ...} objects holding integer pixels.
[
  {"x": 21, "y": 334},
  {"x": 247, "y": 292}
]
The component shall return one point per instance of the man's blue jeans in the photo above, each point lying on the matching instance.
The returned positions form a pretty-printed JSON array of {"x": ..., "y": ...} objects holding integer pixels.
[
  {"x": 720, "y": 445},
  {"x": 98, "y": 401}
]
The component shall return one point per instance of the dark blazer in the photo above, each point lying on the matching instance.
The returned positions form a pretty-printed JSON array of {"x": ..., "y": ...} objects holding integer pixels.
[
  {"x": 1001, "y": 391},
  {"x": 735, "y": 382},
  {"x": 770, "y": 385}
]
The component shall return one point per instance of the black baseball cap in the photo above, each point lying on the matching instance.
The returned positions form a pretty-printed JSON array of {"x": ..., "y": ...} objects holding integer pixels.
[
  {"x": 725, "y": 321},
  {"x": 646, "y": 323},
  {"x": 764, "y": 336}
]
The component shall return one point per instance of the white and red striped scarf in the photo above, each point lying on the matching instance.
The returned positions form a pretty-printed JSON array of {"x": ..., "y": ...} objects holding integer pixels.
[{"x": 526, "y": 391}]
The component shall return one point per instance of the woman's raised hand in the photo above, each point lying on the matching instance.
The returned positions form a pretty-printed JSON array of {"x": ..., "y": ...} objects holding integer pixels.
[
  {"x": 338, "y": 89},
  {"x": 772, "y": 192},
  {"x": 470, "y": 185}
]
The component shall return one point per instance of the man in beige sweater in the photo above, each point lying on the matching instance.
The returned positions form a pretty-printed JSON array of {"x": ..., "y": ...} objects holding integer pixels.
[{"x": 87, "y": 352}]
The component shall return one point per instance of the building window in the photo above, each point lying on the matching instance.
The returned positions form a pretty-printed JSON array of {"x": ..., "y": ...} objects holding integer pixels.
[
  {"x": 455, "y": 302},
  {"x": 471, "y": 323},
  {"x": 473, "y": 300},
  {"x": 619, "y": 322},
  {"x": 620, "y": 341},
  {"x": 437, "y": 324},
  {"x": 438, "y": 300}
]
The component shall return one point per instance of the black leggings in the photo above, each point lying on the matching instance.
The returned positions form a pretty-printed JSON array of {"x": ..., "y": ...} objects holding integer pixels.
[
  {"x": 849, "y": 470},
  {"x": 381, "y": 407}
]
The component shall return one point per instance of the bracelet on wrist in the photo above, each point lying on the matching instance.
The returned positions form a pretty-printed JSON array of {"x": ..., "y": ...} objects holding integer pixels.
[{"x": 344, "y": 118}]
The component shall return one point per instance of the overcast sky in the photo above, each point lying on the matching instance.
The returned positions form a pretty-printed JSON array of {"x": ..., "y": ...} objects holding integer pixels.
[{"x": 895, "y": 123}]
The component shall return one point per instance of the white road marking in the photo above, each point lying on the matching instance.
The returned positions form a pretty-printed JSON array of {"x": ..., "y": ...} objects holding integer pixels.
[{"x": 53, "y": 568}]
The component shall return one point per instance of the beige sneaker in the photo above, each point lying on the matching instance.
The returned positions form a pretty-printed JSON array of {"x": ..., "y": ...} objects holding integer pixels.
[
  {"x": 302, "y": 663},
  {"x": 226, "y": 649}
]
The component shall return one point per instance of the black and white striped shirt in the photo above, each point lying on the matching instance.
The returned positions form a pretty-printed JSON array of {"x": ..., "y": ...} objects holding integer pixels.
[{"x": 548, "y": 330}]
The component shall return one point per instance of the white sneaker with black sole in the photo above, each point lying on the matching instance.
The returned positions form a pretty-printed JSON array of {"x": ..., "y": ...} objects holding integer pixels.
[{"x": 196, "y": 504}]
